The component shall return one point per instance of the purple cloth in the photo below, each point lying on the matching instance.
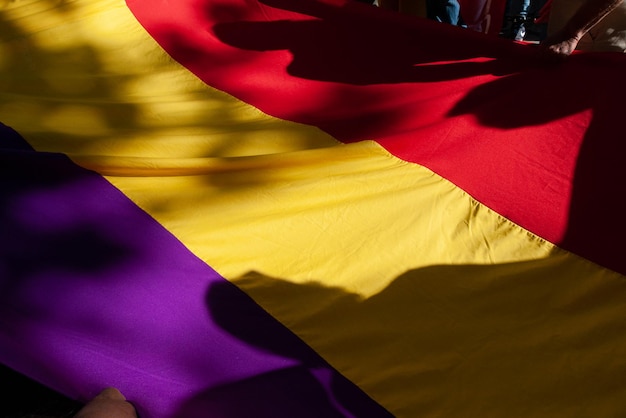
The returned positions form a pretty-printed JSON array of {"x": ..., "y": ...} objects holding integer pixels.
[{"x": 95, "y": 293}]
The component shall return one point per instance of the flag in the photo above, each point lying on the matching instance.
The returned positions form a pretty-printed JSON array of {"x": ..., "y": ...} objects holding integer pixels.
[{"x": 293, "y": 208}]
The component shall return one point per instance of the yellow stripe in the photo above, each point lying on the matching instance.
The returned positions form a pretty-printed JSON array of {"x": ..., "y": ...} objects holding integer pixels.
[
  {"x": 429, "y": 301},
  {"x": 350, "y": 216},
  {"x": 84, "y": 78}
]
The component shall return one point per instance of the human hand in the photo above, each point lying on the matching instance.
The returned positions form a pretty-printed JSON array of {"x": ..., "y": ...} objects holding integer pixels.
[
  {"x": 558, "y": 46},
  {"x": 110, "y": 403}
]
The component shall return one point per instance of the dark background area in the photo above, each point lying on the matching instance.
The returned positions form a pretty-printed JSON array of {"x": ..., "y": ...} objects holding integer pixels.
[{"x": 25, "y": 398}]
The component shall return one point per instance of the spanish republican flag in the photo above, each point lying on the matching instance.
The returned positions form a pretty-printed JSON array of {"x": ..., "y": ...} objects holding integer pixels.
[{"x": 308, "y": 208}]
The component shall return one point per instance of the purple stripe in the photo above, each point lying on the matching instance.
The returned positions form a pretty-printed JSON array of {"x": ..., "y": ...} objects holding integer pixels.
[{"x": 95, "y": 293}]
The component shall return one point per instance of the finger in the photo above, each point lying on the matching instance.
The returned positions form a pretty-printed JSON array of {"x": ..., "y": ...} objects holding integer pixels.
[{"x": 110, "y": 403}]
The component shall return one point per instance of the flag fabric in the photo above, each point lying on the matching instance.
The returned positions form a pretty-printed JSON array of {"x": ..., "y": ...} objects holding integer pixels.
[{"x": 294, "y": 208}]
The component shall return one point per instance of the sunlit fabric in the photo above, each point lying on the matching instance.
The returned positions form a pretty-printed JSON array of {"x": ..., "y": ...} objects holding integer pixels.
[{"x": 308, "y": 208}]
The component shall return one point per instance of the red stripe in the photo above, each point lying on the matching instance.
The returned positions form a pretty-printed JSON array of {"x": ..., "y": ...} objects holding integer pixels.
[{"x": 540, "y": 144}]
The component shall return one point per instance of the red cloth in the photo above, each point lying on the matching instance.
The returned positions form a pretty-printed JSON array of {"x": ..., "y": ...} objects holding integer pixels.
[{"x": 539, "y": 144}]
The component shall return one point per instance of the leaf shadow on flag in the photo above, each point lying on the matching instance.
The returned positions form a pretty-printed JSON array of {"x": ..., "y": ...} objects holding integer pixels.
[
  {"x": 83, "y": 95},
  {"x": 39, "y": 237},
  {"x": 465, "y": 339},
  {"x": 58, "y": 93},
  {"x": 360, "y": 45}
]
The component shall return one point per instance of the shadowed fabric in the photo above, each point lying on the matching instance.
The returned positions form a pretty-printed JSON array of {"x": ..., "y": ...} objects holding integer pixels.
[{"x": 280, "y": 208}]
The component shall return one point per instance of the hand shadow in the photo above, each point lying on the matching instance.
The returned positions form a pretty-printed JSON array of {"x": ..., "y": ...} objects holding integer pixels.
[
  {"x": 586, "y": 82},
  {"x": 305, "y": 387},
  {"x": 338, "y": 44},
  {"x": 441, "y": 337}
]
